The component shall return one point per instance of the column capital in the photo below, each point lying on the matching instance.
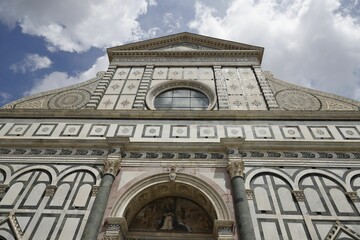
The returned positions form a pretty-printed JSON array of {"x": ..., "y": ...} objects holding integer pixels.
[
  {"x": 236, "y": 168},
  {"x": 112, "y": 164}
]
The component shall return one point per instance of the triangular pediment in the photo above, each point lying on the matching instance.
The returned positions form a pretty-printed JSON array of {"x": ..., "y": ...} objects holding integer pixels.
[{"x": 188, "y": 39}]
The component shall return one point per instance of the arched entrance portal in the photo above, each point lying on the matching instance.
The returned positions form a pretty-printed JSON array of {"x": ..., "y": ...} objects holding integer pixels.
[{"x": 158, "y": 208}]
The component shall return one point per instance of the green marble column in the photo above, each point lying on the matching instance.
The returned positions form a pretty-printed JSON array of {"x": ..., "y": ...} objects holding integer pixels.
[
  {"x": 241, "y": 206},
  {"x": 93, "y": 225}
]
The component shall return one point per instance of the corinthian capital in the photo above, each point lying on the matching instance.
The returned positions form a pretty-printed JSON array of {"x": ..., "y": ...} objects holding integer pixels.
[
  {"x": 236, "y": 168},
  {"x": 112, "y": 164}
]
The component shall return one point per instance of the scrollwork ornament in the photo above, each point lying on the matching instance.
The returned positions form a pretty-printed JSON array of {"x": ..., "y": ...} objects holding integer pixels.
[{"x": 236, "y": 168}]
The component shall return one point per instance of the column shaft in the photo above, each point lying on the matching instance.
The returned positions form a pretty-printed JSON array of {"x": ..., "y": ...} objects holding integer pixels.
[
  {"x": 242, "y": 212},
  {"x": 94, "y": 221}
]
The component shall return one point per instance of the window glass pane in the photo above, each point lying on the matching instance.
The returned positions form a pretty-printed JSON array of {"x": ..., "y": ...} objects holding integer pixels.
[
  {"x": 181, "y": 99},
  {"x": 181, "y": 93}
]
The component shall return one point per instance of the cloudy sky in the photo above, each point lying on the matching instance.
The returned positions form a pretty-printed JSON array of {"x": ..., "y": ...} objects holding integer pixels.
[{"x": 51, "y": 44}]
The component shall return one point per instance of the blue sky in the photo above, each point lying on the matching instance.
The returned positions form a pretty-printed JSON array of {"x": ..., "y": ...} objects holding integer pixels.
[{"x": 51, "y": 44}]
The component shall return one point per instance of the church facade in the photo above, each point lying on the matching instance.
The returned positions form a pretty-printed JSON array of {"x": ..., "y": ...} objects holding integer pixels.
[{"x": 183, "y": 137}]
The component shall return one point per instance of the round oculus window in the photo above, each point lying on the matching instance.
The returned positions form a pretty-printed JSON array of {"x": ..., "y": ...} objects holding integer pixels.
[
  {"x": 180, "y": 95},
  {"x": 181, "y": 99}
]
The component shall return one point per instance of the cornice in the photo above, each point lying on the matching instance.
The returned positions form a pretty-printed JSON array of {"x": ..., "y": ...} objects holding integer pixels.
[
  {"x": 203, "y": 54},
  {"x": 253, "y": 115},
  {"x": 231, "y": 145}
]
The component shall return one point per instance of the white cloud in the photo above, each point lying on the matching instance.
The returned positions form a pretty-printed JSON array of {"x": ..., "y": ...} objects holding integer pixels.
[
  {"x": 56, "y": 80},
  {"x": 75, "y": 25},
  {"x": 31, "y": 62},
  {"x": 171, "y": 22},
  {"x": 4, "y": 97},
  {"x": 307, "y": 42}
]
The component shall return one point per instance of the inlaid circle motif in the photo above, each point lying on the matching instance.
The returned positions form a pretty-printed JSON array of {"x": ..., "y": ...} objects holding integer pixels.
[
  {"x": 233, "y": 131},
  {"x": 349, "y": 132},
  {"x": 152, "y": 130},
  {"x": 125, "y": 130},
  {"x": 72, "y": 99},
  {"x": 179, "y": 131},
  {"x": 291, "y": 132},
  {"x": 297, "y": 100}
]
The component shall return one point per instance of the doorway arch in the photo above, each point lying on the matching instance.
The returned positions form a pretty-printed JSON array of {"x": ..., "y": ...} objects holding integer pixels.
[{"x": 187, "y": 192}]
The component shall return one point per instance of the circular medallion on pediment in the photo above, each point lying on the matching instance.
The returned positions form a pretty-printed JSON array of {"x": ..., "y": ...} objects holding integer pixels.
[
  {"x": 73, "y": 99},
  {"x": 297, "y": 100}
]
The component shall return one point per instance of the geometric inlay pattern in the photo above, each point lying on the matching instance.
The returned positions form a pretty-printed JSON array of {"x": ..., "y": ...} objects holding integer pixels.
[
  {"x": 98, "y": 130},
  {"x": 72, "y": 99},
  {"x": 349, "y": 132},
  {"x": 18, "y": 130},
  {"x": 297, "y": 100},
  {"x": 152, "y": 131},
  {"x": 45, "y": 130},
  {"x": 179, "y": 131},
  {"x": 320, "y": 132},
  {"x": 291, "y": 132},
  {"x": 71, "y": 130},
  {"x": 263, "y": 132},
  {"x": 234, "y": 131},
  {"x": 126, "y": 130},
  {"x": 207, "y": 132}
]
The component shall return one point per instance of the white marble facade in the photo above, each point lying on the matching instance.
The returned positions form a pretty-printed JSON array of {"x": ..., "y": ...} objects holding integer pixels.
[{"x": 302, "y": 161}]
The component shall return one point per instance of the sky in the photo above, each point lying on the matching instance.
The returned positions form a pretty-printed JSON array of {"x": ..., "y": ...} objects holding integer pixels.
[{"x": 51, "y": 44}]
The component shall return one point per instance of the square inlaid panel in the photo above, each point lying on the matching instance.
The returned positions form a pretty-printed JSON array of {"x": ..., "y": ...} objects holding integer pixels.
[
  {"x": 349, "y": 132},
  {"x": 71, "y": 130},
  {"x": 320, "y": 132},
  {"x": 234, "y": 131},
  {"x": 152, "y": 131},
  {"x": 98, "y": 130},
  {"x": 291, "y": 132},
  {"x": 263, "y": 132},
  {"x": 179, "y": 131},
  {"x": 206, "y": 132},
  {"x": 18, "y": 130},
  {"x": 45, "y": 129},
  {"x": 125, "y": 130}
]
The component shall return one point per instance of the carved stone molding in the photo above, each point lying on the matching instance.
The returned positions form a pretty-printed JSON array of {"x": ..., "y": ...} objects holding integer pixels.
[
  {"x": 224, "y": 229},
  {"x": 299, "y": 195},
  {"x": 339, "y": 228},
  {"x": 249, "y": 194},
  {"x": 353, "y": 196},
  {"x": 50, "y": 190},
  {"x": 236, "y": 168},
  {"x": 15, "y": 226},
  {"x": 112, "y": 164}
]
